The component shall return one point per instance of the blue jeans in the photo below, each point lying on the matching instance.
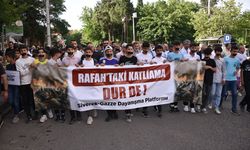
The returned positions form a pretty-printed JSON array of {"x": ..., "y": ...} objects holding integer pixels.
[
  {"x": 216, "y": 94},
  {"x": 232, "y": 86},
  {"x": 13, "y": 97}
]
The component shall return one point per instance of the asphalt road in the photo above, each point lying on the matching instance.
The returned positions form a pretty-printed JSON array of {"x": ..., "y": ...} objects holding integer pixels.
[{"x": 178, "y": 131}]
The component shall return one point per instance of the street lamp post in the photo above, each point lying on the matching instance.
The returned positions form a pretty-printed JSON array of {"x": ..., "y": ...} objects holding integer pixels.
[
  {"x": 48, "y": 24},
  {"x": 133, "y": 18}
]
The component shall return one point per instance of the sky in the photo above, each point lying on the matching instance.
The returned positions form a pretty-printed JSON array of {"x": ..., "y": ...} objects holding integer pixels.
[{"x": 74, "y": 9}]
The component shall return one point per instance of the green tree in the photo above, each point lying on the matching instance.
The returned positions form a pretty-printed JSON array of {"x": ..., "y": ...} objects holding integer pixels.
[
  {"x": 224, "y": 19},
  {"x": 167, "y": 21},
  {"x": 242, "y": 32},
  {"x": 10, "y": 11},
  {"x": 107, "y": 16},
  {"x": 75, "y": 35},
  {"x": 92, "y": 30},
  {"x": 204, "y": 3},
  {"x": 32, "y": 13}
]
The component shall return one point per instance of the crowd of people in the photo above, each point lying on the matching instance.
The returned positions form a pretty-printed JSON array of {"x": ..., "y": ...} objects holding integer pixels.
[{"x": 226, "y": 69}]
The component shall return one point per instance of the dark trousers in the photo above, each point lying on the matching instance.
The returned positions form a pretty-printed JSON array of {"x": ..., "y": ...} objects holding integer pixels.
[
  {"x": 111, "y": 113},
  {"x": 59, "y": 112},
  {"x": 128, "y": 111},
  {"x": 246, "y": 99},
  {"x": 191, "y": 104},
  {"x": 74, "y": 114},
  {"x": 26, "y": 93},
  {"x": 206, "y": 94},
  {"x": 159, "y": 108},
  {"x": 14, "y": 98},
  {"x": 223, "y": 95},
  {"x": 145, "y": 110}
]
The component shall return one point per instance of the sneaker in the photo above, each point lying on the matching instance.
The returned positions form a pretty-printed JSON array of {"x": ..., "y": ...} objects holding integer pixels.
[
  {"x": 242, "y": 108},
  {"x": 239, "y": 94},
  {"x": 155, "y": 108},
  {"x": 108, "y": 119},
  {"x": 159, "y": 114},
  {"x": 95, "y": 114},
  {"x": 15, "y": 119},
  {"x": 186, "y": 109},
  {"x": 204, "y": 110},
  {"x": 57, "y": 117},
  {"x": 62, "y": 118},
  {"x": 1, "y": 123},
  {"x": 43, "y": 118},
  {"x": 193, "y": 110},
  {"x": 210, "y": 106},
  {"x": 79, "y": 118},
  {"x": 72, "y": 120},
  {"x": 176, "y": 109},
  {"x": 50, "y": 113},
  {"x": 145, "y": 115},
  {"x": 128, "y": 119},
  {"x": 28, "y": 119},
  {"x": 90, "y": 120},
  {"x": 235, "y": 113},
  {"x": 171, "y": 110},
  {"x": 217, "y": 111},
  {"x": 198, "y": 108}
]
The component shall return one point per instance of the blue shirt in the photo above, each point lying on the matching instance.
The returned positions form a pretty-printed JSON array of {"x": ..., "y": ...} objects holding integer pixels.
[
  {"x": 172, "y": 56},
  {"x": 106, "y": 61},
  {"x": 231, "y": 65}
]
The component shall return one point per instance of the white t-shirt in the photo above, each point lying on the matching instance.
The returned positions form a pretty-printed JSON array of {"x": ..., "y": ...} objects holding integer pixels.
[
  {"x": 118, "y": 55},
  {"x": 190, "y": 57},
  {"x": 241, "y": 57},
  {"x": 23, "y": 66},
  {"x": 55, "y": 62},
  {"x": 159, "y": 60},
  {"x": 211, "y": 56},
  {"x": 184, "y": 52},
  {"x": 88, "y": 63},
  {"x": 144, "y": 58},
  {"x": 77, "y": 54}
]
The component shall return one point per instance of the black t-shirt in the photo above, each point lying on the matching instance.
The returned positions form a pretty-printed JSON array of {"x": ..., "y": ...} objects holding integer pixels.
[
  {"x": 128, "y": 60},
  {"x": 97, "y": 55},
  {"x": 2, "y": 71},
  {"x": 11, "y": 67},
  {"x": 209, "y": 74},
  {"x": 9, "y": 49},
  {"x": 245, "y": 67}
]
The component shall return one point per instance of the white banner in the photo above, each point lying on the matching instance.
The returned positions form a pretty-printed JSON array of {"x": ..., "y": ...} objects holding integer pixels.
[
  {"x": 13, "y": 77},
  {"x": 120, "y": 88}
]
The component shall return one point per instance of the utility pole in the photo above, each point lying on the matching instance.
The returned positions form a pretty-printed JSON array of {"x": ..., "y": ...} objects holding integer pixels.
[
  {"x": 209, "y": 8},
  {"x": 48, "y": 24},
  {"x": 133, "y": 18},
  {"x": 2, "y": 36}
]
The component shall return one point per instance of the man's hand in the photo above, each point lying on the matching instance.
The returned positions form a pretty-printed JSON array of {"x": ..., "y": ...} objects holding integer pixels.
[{"x": 5, "y": 95}]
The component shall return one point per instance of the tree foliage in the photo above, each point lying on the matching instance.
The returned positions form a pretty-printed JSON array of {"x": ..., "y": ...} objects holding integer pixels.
[
  {"x": 224, "y": 19},
  {"x": 33, "y": 15},
  {"x": 107, "y": 18},
  {"x": 10, "y": 11},
  {"x": 204, "y": 3},
  {"x": 167, "y": 21}
]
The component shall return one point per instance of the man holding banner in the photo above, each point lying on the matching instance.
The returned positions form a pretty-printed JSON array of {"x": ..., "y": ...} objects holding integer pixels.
[
  {"x": 14, "y": 82},
  {"x": 24, "y": 65}
]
